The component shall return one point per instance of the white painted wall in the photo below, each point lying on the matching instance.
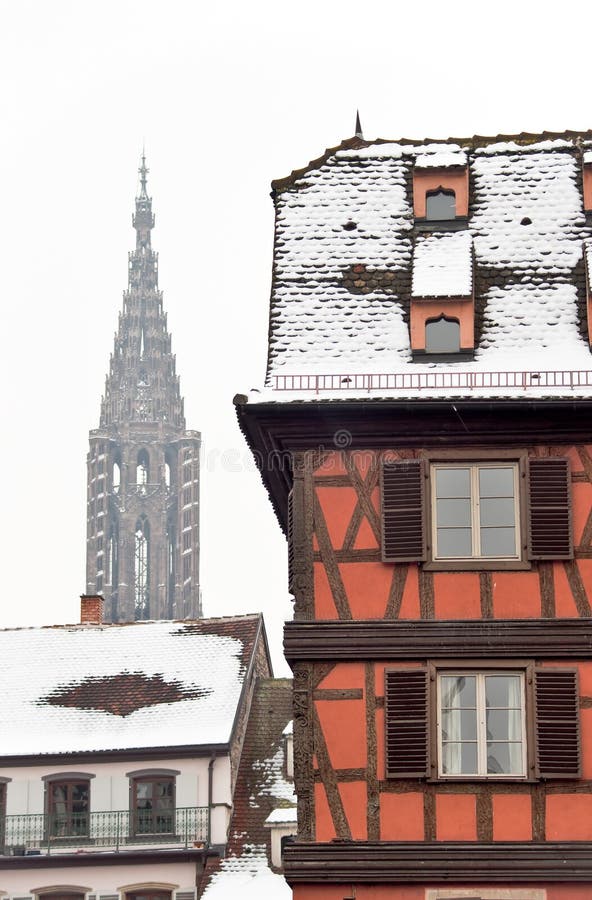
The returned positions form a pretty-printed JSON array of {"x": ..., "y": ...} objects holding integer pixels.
[
  {"x": 98, "y": 879},
  {"x": 109, "y": 788}
]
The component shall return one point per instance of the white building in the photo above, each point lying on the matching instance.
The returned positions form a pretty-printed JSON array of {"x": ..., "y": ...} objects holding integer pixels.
[{"x": 119, "y": 752}]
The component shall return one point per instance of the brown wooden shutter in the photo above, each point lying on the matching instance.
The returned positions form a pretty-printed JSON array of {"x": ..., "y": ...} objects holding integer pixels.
[
  {"x": 291, "y": 541},
  {"x": 549, "y": 521},
  {"x": 557, "y": 723},
  {"x": 403, "y": 511},
  {"x": 407, "y": 723}
]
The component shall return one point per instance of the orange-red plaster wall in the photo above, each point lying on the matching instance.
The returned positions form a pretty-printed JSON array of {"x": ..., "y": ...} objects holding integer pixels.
[
  {"x": 347, "y": 563},
  {"x": 425, "y": 180},
  {"x": 423, "y": 310},
  {"x": 346, "y": 755}
]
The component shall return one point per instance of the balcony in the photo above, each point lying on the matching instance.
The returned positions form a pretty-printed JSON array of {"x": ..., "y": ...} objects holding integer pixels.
[{"x": 113, "y": 831}]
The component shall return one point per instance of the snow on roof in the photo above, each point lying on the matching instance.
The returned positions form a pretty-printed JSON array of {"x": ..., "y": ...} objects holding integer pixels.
[
  {"x": 282, "y": 816},
  {"x": 82, "y": 688},
  {"x": 587, "y": 157},
  {"x": 250, "y": 879},
  {"x": 443, "y": 265},
  {"x": 442, "y": 158},
  {"x": 289, "y": 729},
  {"x": 345, "y": 266}
]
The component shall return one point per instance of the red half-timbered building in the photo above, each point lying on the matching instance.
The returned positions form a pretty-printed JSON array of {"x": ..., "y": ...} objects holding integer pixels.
[{"x": 425, "y": 435}]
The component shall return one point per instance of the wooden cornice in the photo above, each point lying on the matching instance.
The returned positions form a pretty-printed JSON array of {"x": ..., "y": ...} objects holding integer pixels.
[
  {"x": 275, "y": 431},
  {"x": 374, "y": 639},
  {"x": 362, "y": 862}
]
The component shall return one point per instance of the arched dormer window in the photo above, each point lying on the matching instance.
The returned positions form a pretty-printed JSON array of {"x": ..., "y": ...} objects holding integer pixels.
[
  {"x": 442, "y": 335},
  {"x": 143, "y": 468},
  {"x": 440, "y": 205}
]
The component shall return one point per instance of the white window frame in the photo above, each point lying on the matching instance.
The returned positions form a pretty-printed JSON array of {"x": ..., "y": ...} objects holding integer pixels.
[
  {"x": 482, "y": 772},
  {"x": 474, "y": 468}
]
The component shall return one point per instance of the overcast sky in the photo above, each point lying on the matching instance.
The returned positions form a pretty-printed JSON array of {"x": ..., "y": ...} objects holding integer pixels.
[{"x": 227, "y": 96}]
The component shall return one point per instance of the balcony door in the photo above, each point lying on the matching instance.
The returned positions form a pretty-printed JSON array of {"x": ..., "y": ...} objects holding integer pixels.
[
  {"x": 154, "y": 806},
  {"x": 68, "y": 808}
]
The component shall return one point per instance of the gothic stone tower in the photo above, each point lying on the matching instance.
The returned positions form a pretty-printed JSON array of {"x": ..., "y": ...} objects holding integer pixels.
[{"x": 143, "y": 465}]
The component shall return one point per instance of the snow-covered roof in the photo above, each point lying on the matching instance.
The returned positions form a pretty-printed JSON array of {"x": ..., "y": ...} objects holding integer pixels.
[
  {"x": 70, "y": 689},
  {"x": 442, "y": 265},
  {"x": 347, "y": 260},
  {"x": 289, "y": 729},
  {"x": 282, "y": 816},
  {"x": 249, "y": 878}
]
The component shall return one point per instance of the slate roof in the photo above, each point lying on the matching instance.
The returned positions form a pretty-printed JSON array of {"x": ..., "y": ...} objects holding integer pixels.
[
  {"x": 83, "y": 688},
  {"x": 347, "y": 257}
]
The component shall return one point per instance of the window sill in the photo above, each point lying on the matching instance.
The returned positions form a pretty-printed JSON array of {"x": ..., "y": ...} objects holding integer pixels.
[
  {"x": 458, "y": 224},
  {"x": 477, "y": 565},
  {"x": 420, "y": 356}
]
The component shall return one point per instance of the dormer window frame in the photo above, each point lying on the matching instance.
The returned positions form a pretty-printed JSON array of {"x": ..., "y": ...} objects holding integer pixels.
[{"x": 445, "y": 179}]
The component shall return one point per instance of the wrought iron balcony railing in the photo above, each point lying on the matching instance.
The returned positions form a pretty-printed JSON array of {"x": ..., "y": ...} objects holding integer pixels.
[{"x": 114, "y": 830}]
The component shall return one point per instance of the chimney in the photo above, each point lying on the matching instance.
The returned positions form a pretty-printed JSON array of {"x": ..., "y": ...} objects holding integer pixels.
[{"x": 91, "y": 609}]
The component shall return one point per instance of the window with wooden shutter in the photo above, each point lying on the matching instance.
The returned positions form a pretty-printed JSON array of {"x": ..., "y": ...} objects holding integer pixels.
[
  {"x": 549, "y": 521},
  {"x": 557, "y": 727},
  {"x": 407, "y": 723},
  {"x": 403, "y": 511}
]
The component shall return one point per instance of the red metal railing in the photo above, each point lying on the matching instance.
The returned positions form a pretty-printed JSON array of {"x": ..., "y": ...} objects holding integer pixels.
[{"x": 437, "y": 380}]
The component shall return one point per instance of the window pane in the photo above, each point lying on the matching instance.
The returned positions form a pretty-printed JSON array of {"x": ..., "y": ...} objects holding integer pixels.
[
  {"x": 79, "y": 798},
  {"x": 496, "y": 511},
  {"x": 442, "y": 336},
  {"x": 498, "y": 542},
  {"x": 458, "y": 691},
  {"x": 455, "y": 482},
  {"x": 453, "y": 512},
  {"x": 504, "y": 759},
  {"x": 496, "y": 482},
  {"x": 460, "y": 725},
  {"x": 454, "y": 542},
  {"x": 441, "y": 205},
  {"x": 144, "y": 794},
  {"x": 503, "y": 691},
  {"x": 504, "y": 725},
  {"x": 459, "y": 759}
]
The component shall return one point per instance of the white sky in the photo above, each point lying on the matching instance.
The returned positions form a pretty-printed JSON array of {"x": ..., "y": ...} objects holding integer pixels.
[{"x": 227, "y": 96}]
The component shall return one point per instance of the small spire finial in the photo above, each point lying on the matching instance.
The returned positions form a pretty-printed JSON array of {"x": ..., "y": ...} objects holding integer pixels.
[
  {"x": 143, "y": 173},
  {"x": 359, "y": 133}
]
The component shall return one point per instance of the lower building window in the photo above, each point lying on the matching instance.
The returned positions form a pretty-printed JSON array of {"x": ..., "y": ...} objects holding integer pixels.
[
  {"x": 68, "y": 808},
  {"x": 481, "y": 724},
  {"x": 154, "y": 805}
]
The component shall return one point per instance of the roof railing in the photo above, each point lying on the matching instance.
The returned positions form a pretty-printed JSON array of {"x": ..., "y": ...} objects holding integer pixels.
[{"x": 436, "y": 380}]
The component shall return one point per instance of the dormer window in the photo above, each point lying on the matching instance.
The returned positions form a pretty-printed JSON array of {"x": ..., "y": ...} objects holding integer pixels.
[
  {"x": 442, "y": 317},
  {"x": 440, "y": 205},
  {"x": 441, "y": 190}
]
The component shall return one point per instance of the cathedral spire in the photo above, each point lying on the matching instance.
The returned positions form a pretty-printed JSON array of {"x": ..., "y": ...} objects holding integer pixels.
[{"x": 143, "y": 464}]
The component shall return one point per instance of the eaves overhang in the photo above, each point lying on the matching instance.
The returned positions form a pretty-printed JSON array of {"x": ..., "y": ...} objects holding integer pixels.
[
  {"x": 275, "y": 431},
  {"x": 123, "y": 755},
  {"x": 107, "y": 858}
]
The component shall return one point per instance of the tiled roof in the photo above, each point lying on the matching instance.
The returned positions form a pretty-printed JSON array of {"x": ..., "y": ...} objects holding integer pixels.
[
  {"x": 85, "y": 688},
  {"x": 261, "y": 785},
  {"x": 345, "y": 247}
]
